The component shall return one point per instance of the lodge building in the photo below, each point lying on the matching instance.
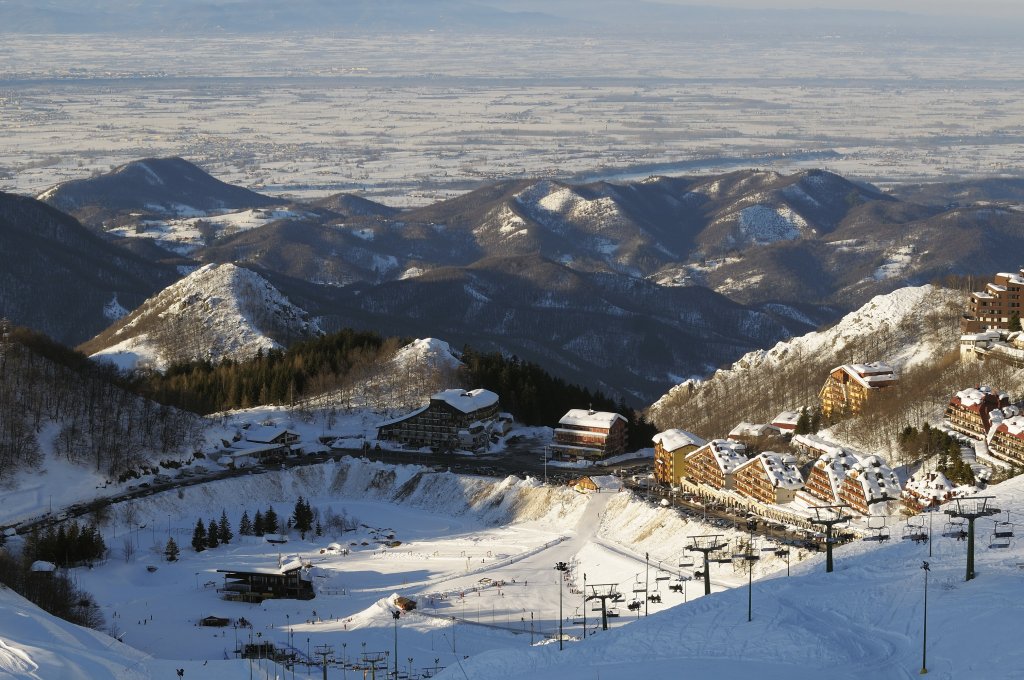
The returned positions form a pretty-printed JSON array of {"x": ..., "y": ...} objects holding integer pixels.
[
  {"x": 996, "y": 306},
  {"x": 254, "y": 584},
  {"x": 1007, "y": 441},
  {"x": 850, "y": 386},
  {"x": 769, "y": 477},
  {"x": 670, "y": 450},
  {"x": 589, "y": 435},
  {"x": 715, "y": 463},
  {"x": 454, "y": 419},
  {"x": 970, "y": 411}
]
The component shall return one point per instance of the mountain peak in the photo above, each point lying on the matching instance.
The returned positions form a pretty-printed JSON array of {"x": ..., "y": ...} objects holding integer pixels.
[{"x": 216, "y": 312}]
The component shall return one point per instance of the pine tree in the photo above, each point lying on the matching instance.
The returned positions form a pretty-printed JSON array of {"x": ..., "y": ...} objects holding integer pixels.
[
  {"x": 224, "y": 528},
  {"x": 270, "y": 524},
  {"x": 259, "y": 525},
  {"x": 211, "y": 535},
  {"x": 171, "y": 551},
  {"x": 199, "y": 537},
  {"x": 303, "y": 516},
  {"x": 245, "y": 524},
  {"x": 803, "y": 423}
]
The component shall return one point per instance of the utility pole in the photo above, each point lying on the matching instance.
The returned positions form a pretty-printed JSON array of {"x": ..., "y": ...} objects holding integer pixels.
[
  {"x": 584, "y": 606},
  {"x": 972, "y": 508},
  {"x": 829, "y": 516}
]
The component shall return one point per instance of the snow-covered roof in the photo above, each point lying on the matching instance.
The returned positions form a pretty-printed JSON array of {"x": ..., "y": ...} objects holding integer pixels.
[
  {"x": 467, "y": 402},
  {"x": 781, "y": 469},
  {"x": 745, "y": 429},
  {"x": 264, "y": 434},
  {"x": 836, "y": 464},
  {"x": 728, "y": 454},
  {"x": 871, "y": 375},
  {"x": 606, "y": 482},
  {"x": 1013, "y": 426},
  {"x": 786, "y": 420},
  {"x": 401, "y": 418},
  {"x": 43, "y": 566},
  {"x": 284, "y": 568},
  {"x": 876, "y": 479},
  {"x": 581, "y": 417},
  {"x": 673, "y": 439},
  {"x": 813, "y": 442},
  {"x": 929, "y": 487}
]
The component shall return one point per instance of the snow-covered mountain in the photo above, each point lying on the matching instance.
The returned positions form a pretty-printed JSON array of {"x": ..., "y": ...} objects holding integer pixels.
[
  {"x": 160, "y": 186},
  {"x": 216, "y": 312},
  {"x": 894, "y": 320}
]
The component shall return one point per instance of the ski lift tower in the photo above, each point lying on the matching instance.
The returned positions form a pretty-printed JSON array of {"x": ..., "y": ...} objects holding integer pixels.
[
  {"x": 325, "y": 652},
  {"x": 829, "y": 516},
  {"x": 603, "y": 592},
  {"x": 706, "y": 545},
  {"x": 745, "y": 557},
  {"x": 971, "y": 508},
  {"x": 373, "y": 662}
]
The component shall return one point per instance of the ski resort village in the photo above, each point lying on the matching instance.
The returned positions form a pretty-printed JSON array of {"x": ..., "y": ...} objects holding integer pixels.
[
  {"x": 511, "y": 340},
  {"x": 443, "y": 536}
]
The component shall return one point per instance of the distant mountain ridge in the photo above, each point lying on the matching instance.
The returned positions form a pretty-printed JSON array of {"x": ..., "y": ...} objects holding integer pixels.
[
  {"x": 62, "y": 279},
  {"x": 169, "y": 186},
  {"x": 630, "y": 287}
]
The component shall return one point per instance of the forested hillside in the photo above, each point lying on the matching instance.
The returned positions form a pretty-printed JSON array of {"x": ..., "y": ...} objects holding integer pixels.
[{"x": 85, "y": 412}]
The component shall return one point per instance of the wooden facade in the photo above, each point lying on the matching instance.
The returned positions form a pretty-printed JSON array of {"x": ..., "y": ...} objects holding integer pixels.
[
  {"x": 715, "y": 463},
  {"x": 453, "y": 419},
  {"x": 850, "y": 386},
  {"x": 255, "y": 585},
  {"x": 771, "y": 478},
  {"x": 589, "y": 435},
  {"x": 670, "y": 450}
]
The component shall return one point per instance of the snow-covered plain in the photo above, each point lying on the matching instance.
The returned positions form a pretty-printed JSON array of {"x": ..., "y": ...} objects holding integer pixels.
[{"x": 411, "y": 119}]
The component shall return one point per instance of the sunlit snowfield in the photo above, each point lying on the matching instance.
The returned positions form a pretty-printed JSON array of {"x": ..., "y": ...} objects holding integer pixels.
[{"x": 412, "y": 119}]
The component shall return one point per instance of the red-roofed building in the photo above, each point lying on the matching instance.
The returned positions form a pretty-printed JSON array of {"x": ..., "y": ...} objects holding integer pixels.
[
  {"x": 969, "y": 411},
  {"x": 1007, "y": 440}
]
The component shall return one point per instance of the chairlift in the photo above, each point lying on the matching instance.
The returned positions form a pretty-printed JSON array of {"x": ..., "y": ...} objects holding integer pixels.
[
  {"x": 954, "y": 528},
  {"x": 686, "y": 562},
  {"x": 618, "y": 597},
  {"x": 577, "y": 617},
  {"x": 1003, "y": 530},
  {"x": 634, "y": 605},
  {"x": 662, "y": 575},
  {"x": 596, "y": 607},
  {"x": 639, "y": 586},
  {"x": 999, "y": 542},
  {"x": 613, "y": 612},
  {"x": 915, "y": 532},
  {"x": 781, "y": 551}
]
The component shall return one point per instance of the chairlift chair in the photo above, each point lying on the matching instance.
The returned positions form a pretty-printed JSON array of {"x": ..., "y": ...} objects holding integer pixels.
[
  {"x": 613, "y": 612},
  {"x": 596, "y": 607},
  {"x": 686, "y": 562},
  {"x": 639, "y": 586},
  {"x": 662, "y": 575},
  {"x": 1003, "y": 530},
  {"x": 914, "y": 532},
  {"x": 954, "y": 527},
  {"x": 577, "y": 617}
]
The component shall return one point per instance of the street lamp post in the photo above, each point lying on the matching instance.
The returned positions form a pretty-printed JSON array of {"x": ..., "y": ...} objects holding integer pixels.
[
  {"x": 584, "y": 606},
  {"x": 562, "y": 567},
  {"x": 924, "y": 637},
  {"x": 647, "y": 580}
]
